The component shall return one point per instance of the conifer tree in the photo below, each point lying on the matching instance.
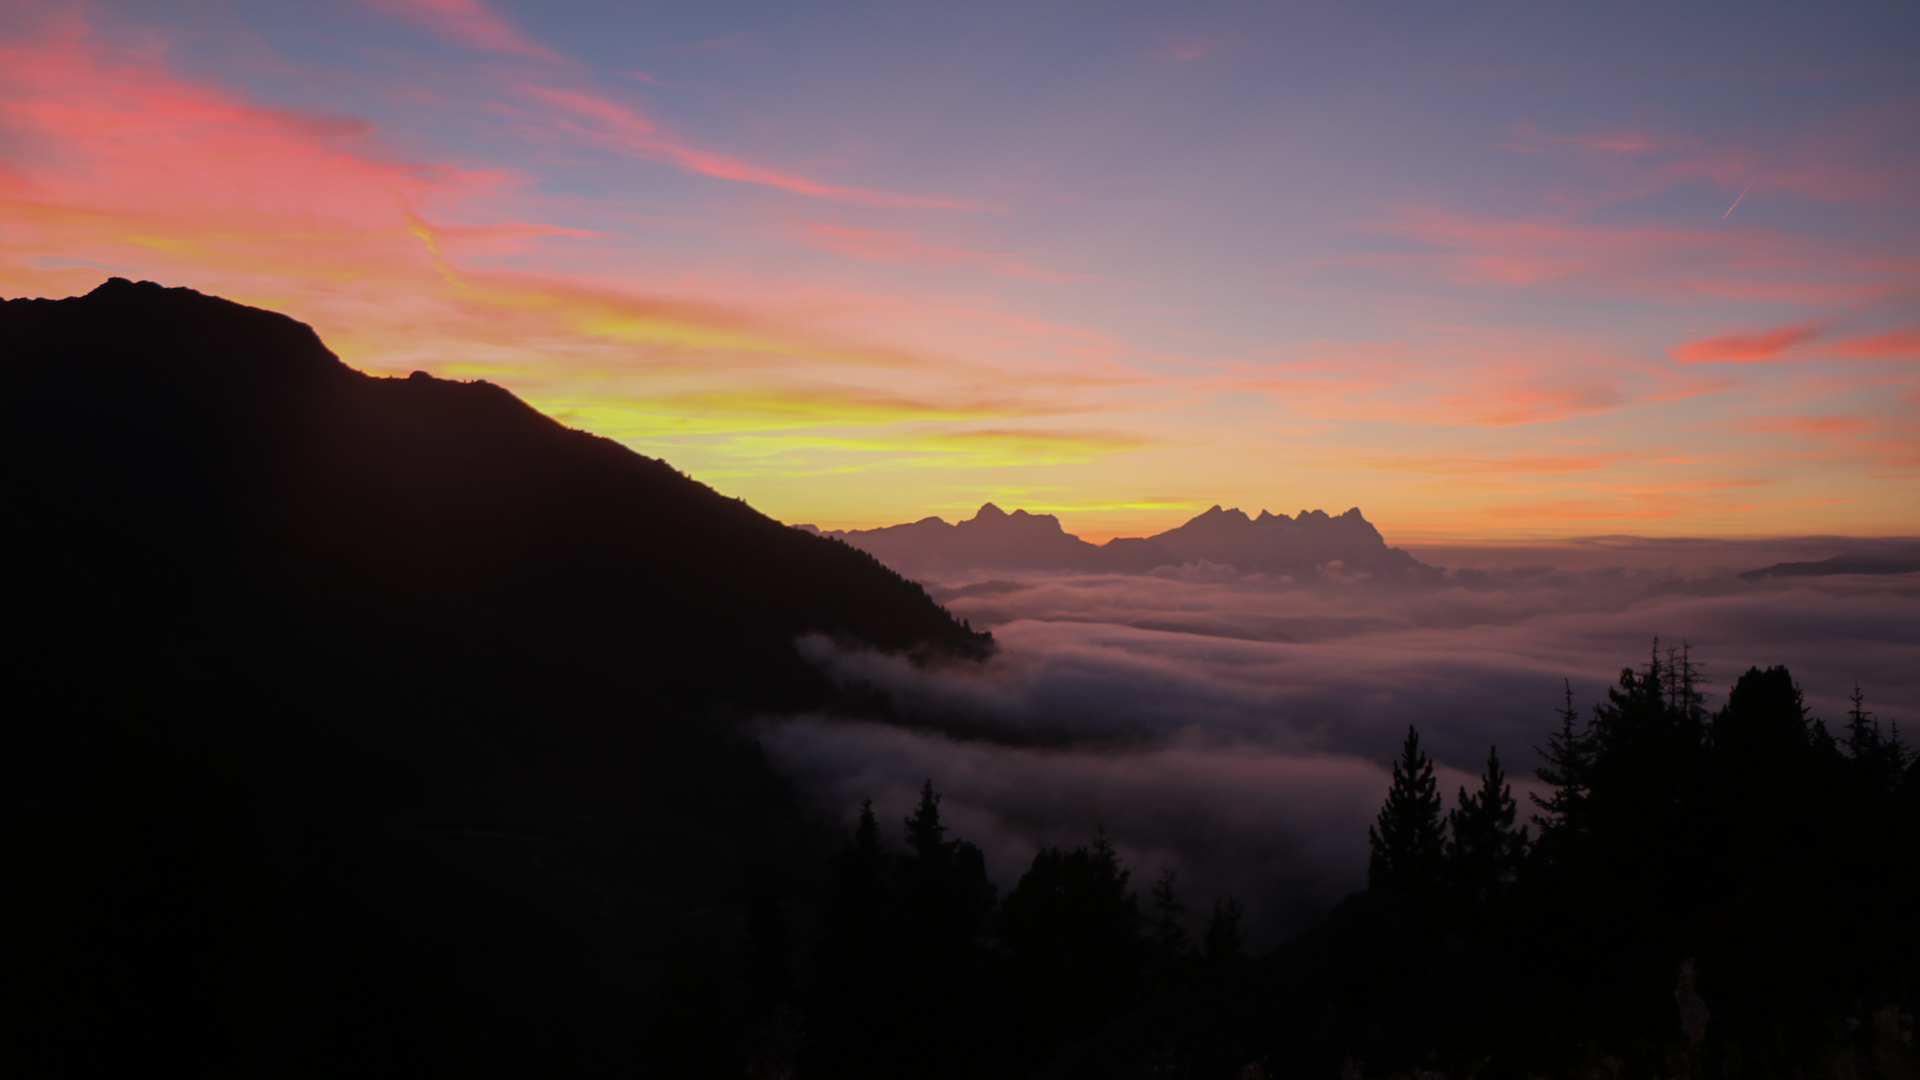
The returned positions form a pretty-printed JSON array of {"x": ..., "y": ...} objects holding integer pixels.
[
  {"x": 1223, "y": 941},
  {"x": 848, "y": 1015},
  {"x": 1484, "y": 850},
  {"x": 1878, "y": 760},
  {"x": 1407, "y": 841},
  {"x": 926, "y": 836},
  {"x": 1075, "y": 954},
  {"x": 1644, "y": 772},
  {"x": 1569, "y": 763},
  {"x": 1172, "y": 948},
  {"x": 945, "y": 899}
]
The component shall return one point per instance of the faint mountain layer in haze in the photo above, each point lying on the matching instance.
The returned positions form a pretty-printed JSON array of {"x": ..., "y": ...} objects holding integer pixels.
[
  {"x": 1907, "y": 562},
  {"x": 993, "y": 539}
]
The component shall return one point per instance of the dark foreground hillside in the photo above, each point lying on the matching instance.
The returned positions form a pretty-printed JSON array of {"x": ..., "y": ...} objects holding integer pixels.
[{"x": 374, "y": 726}]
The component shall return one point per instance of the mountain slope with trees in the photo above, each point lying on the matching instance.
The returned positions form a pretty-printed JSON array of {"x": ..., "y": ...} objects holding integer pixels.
[{"x": 375, "y": 726}]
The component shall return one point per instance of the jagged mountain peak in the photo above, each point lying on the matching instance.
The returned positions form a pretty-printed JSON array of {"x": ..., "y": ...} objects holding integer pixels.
[{"x": 1273, "y": 543}]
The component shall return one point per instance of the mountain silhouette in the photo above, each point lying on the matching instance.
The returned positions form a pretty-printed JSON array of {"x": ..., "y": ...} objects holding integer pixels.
[
  {"x": 371, "y": 724},
  {"x": 992, "y": 539},
  {"x": 1839, "y": 564},
  {"x": 169, "y": 431}
]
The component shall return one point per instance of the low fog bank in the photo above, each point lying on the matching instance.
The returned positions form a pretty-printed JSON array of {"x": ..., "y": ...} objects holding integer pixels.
[
  {"x": 1236, "y": 727},
  {"x": 1688, "y": 556}
]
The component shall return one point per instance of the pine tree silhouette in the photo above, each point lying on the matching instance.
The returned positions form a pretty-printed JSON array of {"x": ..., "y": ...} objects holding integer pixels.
[
  {"x": 1223, "y": 941},
  {"x": 926, "y": 836},
  {"x": 1484, "y": 850},
  {"x": 1075, "y": 955},
  {"x": 945, "y": 899},
  {"x": 1645, "y": 788},
  {"x": 1565, "y": 818},
  {"x": 854, "y": 969},
  {"x": 1408, "y": 845},
  {"x": 1172, "y": 949},
  {"x": 1878, "y": 760}
]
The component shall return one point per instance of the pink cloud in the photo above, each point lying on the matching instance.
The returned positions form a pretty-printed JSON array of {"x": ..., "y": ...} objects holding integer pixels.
[
  {"x": 1529, "y": 139},
  {"x": 1852, "y": 161},
  {"x": 1745, "y": 348},
  {"x": 114, "y": 158},
  {"x": 622, "y": 127},
  {"x": 1897, "y": 344},
  {"x": 465, "y": 22},
  {"x": 1475, "y": 377},
  {"x": 1662, "y": 262},
  {"x": 719, "y": 43},
  {"x": 625, "y": 130}
]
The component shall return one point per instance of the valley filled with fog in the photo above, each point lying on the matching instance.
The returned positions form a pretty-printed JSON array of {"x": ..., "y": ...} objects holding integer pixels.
[{"x": 1236, "y": 727}]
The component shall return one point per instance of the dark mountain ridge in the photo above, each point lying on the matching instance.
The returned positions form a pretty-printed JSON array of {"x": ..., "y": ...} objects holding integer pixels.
[
  {"x": 161, "y": 428},
  {"x": 1850, "y": 563},
  {"x": 1272, "y": 543},
  {"x": 375, "y": 725}
]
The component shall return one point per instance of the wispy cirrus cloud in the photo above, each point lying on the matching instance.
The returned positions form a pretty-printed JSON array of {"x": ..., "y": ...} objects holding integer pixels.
[
  {"x": 625, "y": 129},
  {"x": 1648, "y": 260},
  {"x": 120, "y": 165},
  {"x": 113, "y": 158},
  {"x": 900, "y": 246},
  {"x": 621, "y": 125},
  {"x": 1887, "y": 443},
  {"x": 1746, "y": 348},
  {"x": 1848, "y": 161},
  {"x": 1892, "y": 345},
  {"x": 468, "y": 23},
  {"x": 1462, "y": 376}
]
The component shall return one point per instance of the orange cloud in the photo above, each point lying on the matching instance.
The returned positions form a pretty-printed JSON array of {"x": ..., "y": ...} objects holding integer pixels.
[
  {"x": 1516, "y": 465},
  {"x": 465, "y": 22},
  {"x": 1887, "y": 442},
  {"x": 1808, "y": 425},
  {"x": 1897, "y": 344},
  {"x": 1745, "y": 348}
]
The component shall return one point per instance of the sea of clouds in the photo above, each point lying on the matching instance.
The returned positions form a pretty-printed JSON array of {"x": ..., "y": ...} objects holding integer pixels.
[{"x": 1237, "y": 728}]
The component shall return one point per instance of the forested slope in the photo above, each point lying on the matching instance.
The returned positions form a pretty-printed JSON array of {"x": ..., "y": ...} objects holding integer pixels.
[{"x": 362, "y": 725}]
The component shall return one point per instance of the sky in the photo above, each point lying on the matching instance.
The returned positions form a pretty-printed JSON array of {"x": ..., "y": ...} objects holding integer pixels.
[{"x": 1486, "y": 271}]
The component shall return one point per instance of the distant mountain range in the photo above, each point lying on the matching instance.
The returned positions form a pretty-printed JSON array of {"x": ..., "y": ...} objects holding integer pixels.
[{"x": 1312, "y": 543}]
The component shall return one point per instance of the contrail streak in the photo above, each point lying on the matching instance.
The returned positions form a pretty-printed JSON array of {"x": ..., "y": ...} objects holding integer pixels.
[{"x": 1736, "y": 201}]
